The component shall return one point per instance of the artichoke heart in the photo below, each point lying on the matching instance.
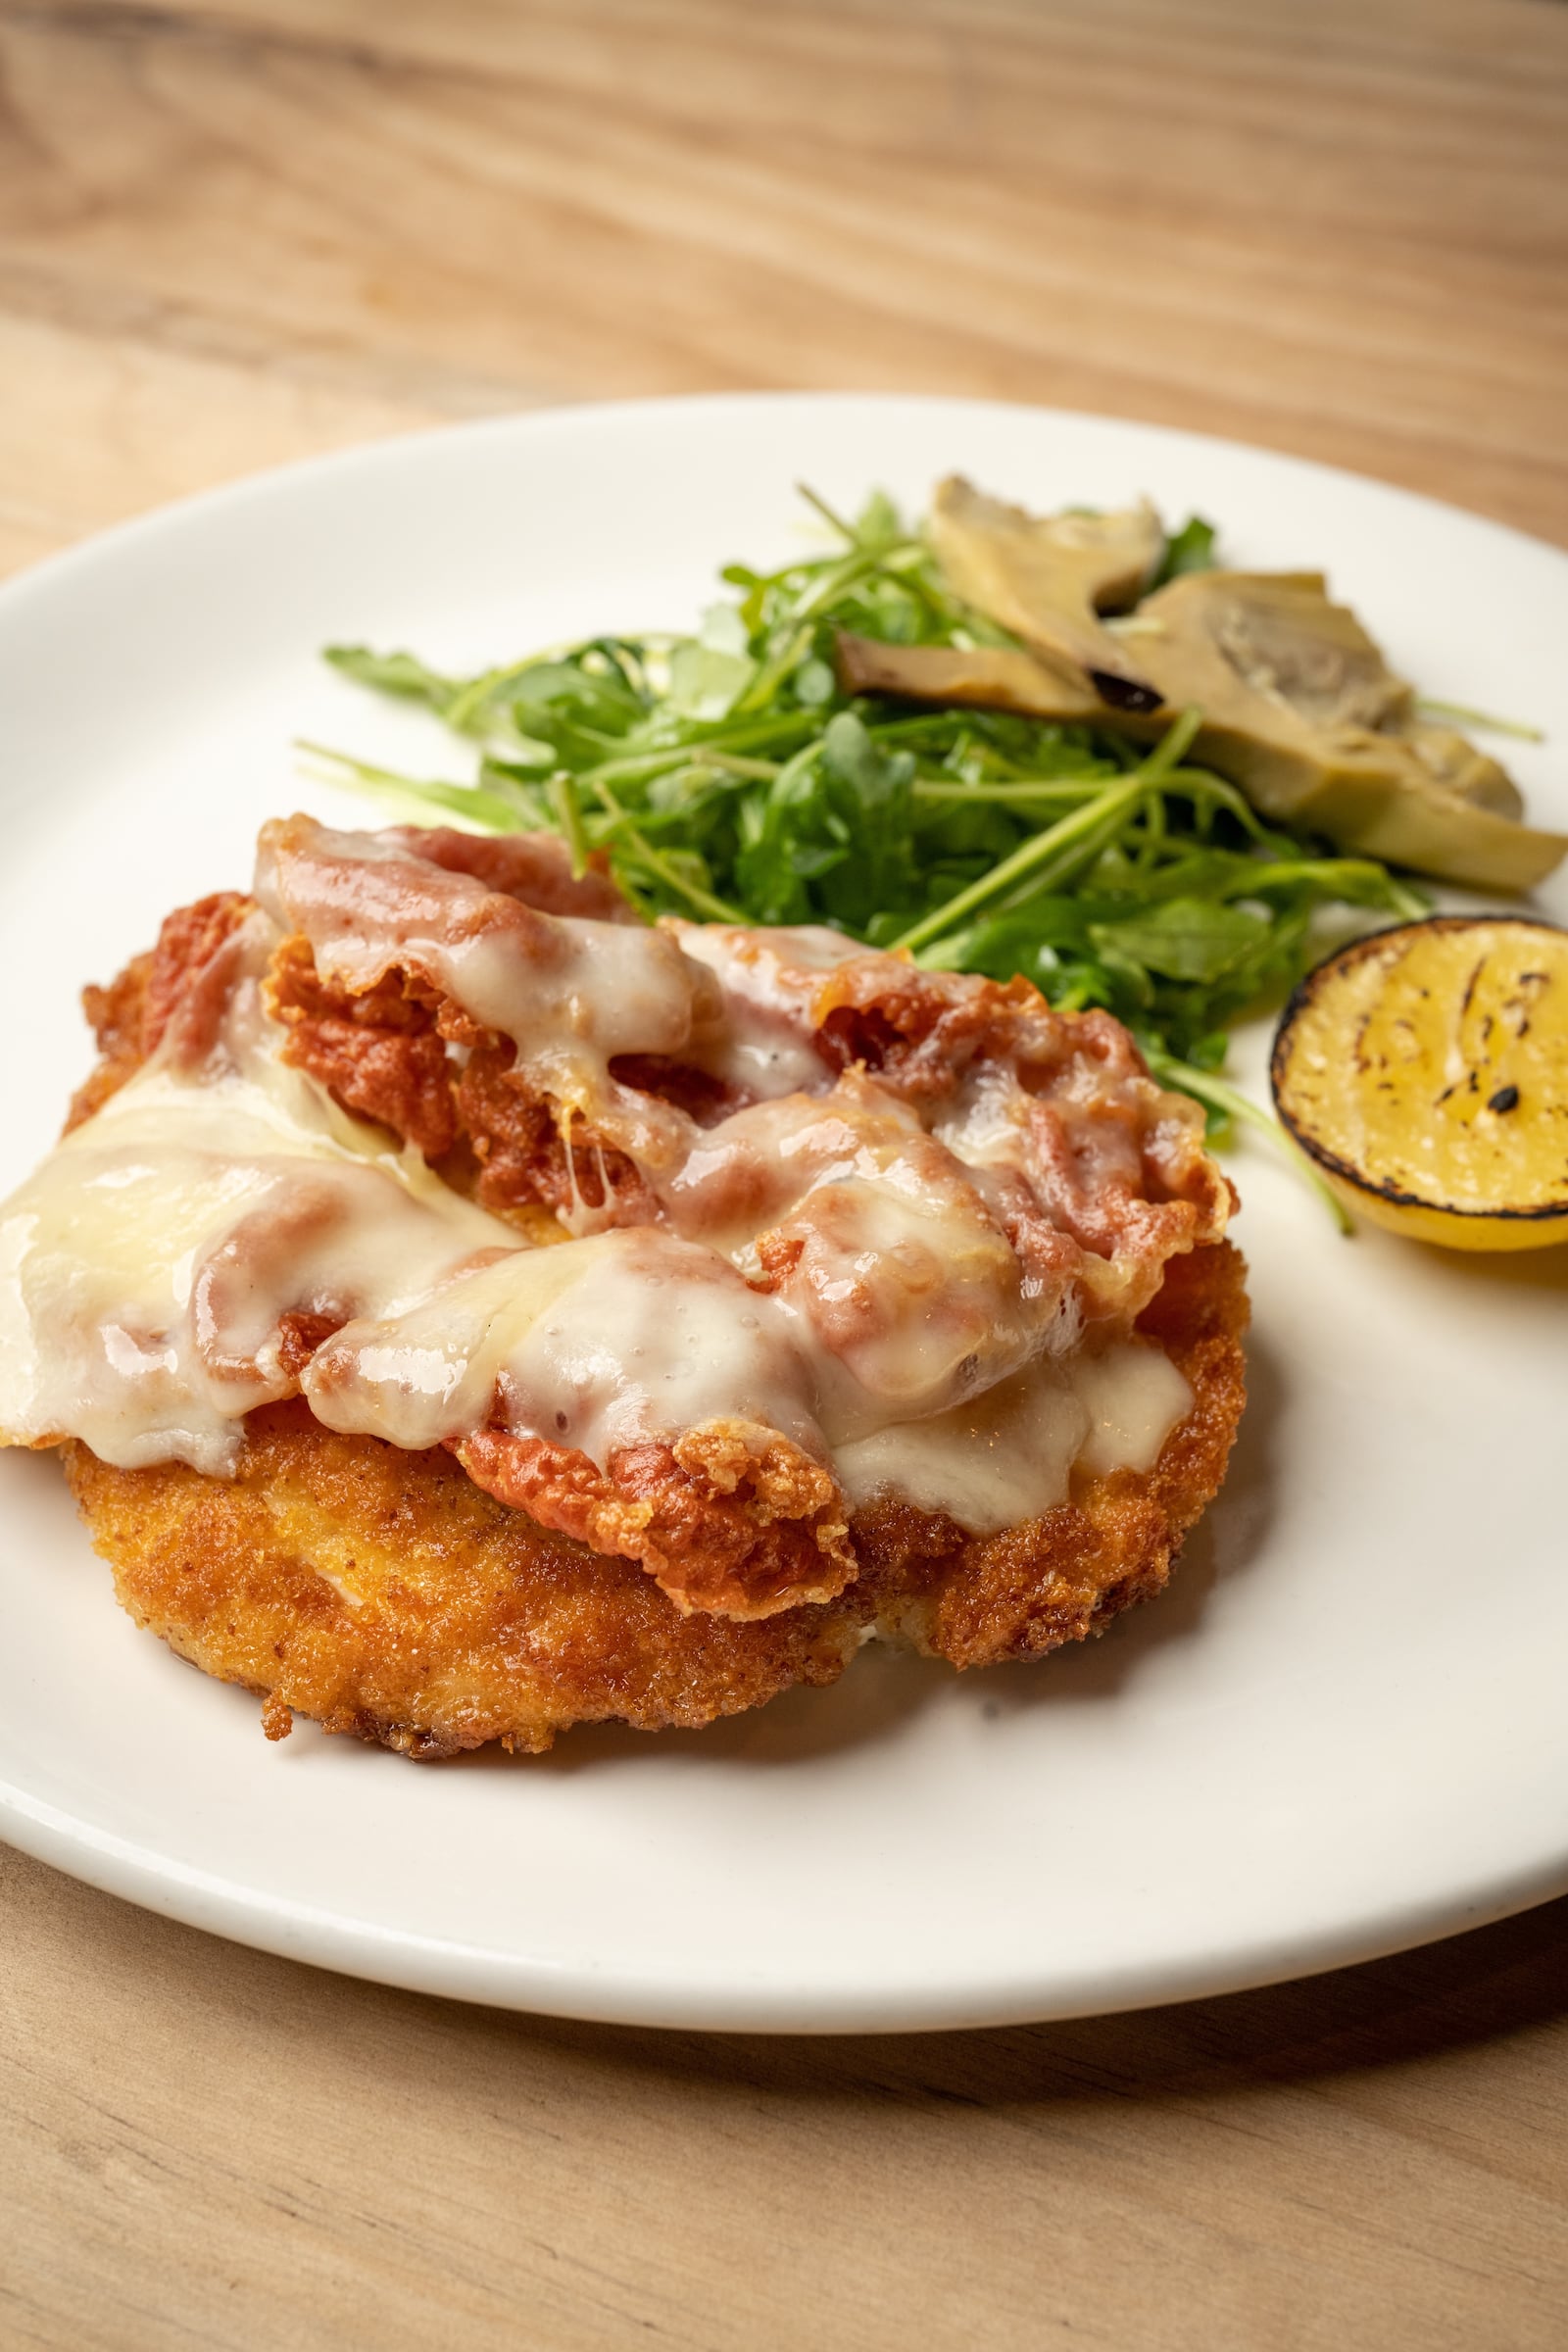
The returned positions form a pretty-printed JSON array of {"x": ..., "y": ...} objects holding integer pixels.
[
  {"x": 983, "y": 677},
  {"x": 1299, "y": 708},
  {"x": 1048, "y": 578}
]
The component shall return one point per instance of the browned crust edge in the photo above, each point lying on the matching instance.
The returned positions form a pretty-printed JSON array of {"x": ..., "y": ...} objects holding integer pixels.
[{"x": 471, "y": 1623}]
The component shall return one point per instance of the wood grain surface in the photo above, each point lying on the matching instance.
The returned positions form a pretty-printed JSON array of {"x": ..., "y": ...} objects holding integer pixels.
[{"x": 235, "y": 232}]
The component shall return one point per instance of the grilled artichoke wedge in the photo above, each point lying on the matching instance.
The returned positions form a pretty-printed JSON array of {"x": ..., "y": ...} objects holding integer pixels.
[
  {"x": 1048, "y": 578},
  {"x": 1299, "y": 708}
]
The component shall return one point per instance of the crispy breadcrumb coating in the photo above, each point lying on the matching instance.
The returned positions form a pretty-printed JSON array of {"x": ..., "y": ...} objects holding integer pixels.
[
  {"x": 387, "y": 1595},
  {"x": 721, "y": 1522},
  {"x": 502, "y": 1587}
]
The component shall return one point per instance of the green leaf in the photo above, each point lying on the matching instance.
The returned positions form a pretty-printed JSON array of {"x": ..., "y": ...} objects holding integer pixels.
[
  {"x": 868, "y": 793},
  {"x": 415, "y": 798},
  {"x": 600, "y": 699},
  {"x": 724, "y": 629},
  {"x": 402, "y": 674},
  {"x": 1186, "y": 939},
  {"x": 814, "y": 683},
  {"x": 1190, "y": 549},
  {"x": 879, "y": 778},
  {"x": 704, "y": 681},
  {"x": 879, "y": 524}
]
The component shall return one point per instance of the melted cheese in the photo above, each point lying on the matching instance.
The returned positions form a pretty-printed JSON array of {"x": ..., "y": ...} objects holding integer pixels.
[
  {"x": 559, "y": 987},
  {"x": 636, "y": 1335},
  {"x": 1134, "y": 1397},
  {"x": 571, "y": 992},
  {"x": 145, "y": 1269},
  {"x": 764, "y": 1045},
  {"x": 594, "y": 1345},
  {"x": 1009, "y": 1455},
  {"x": 834, "y": 1265},
  {"x": 873, "y": 1237}
]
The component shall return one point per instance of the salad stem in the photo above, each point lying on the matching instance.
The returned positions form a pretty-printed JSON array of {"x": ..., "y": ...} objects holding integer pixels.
[
  {"x": 1019, "y": 794},
  {"x": 812, "y": 498},
  {"x": 733, "y": 763},
  {"x": 566, "y": 806},
  {"x": 718, "y": 911},
  {"x": 1466, "y": 716},
  {"x": 486, "y": 811},
  {"x": 1220, "y": 1096},
  {"x": 1046, "y": 855}
]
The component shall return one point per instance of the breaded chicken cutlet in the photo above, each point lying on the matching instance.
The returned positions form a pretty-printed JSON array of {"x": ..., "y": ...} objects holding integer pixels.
[{"x": 465, "y": 1311}]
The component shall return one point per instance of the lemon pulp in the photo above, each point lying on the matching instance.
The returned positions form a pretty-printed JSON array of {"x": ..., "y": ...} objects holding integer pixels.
[{"x": 1426, "y": 1070}]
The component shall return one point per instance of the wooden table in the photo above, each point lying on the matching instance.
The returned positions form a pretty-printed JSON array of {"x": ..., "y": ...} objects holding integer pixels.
[{"x": 236, "y": 231}]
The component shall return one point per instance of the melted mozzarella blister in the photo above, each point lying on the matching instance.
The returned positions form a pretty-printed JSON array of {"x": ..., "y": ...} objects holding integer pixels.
[
  {"x": 146, "y": 1267},
  {"x": 595, "y": 1344}
]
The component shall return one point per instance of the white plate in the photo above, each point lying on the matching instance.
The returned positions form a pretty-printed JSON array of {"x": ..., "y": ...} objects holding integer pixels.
[{"x": 1344, "y": 1727}]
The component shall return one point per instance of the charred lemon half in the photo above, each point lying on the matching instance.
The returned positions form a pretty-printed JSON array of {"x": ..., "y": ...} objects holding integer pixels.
[{"x": 1425, "y": 1070}]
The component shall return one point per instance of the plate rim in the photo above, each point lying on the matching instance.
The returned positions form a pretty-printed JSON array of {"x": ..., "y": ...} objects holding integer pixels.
[
  {"x": 244, "y": 488},
  {"x": 444, "y": 1969}
]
